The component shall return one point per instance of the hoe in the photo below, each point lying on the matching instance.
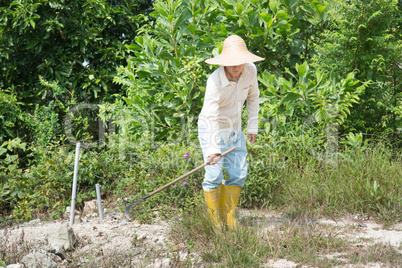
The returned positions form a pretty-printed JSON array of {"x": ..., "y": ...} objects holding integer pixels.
[{"x": 170, "y": 183}]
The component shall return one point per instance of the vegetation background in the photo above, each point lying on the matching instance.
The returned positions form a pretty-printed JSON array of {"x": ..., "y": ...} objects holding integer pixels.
[{"x": 127, "y": 79}]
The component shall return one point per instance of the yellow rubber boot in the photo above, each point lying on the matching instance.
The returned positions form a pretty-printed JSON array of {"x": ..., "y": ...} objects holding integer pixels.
[
  {"x": 212, "y": 202},
  {"x": 228, "y": 200}
]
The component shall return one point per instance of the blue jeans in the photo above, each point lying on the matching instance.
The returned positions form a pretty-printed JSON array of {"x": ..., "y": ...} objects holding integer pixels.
[{"x": 235, "y": 162}]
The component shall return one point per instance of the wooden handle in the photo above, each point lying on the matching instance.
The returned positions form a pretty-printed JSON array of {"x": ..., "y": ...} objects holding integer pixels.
[{"x": 188, "y": 173}]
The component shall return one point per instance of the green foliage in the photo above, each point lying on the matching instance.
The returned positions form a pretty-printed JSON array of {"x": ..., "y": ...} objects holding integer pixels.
[
  {"x": 364, "y": 180},
  {"x": 45, "y": 186},
  {"x": 46, "y": 125},
  {"x": 166, "y": 76},
  {"x": 11, "y": 116},
  {"x": 307, "y": 107},
  {"x": 365, "y": 37},
  {"x": 63, "y": 52},
  {"x": 321, "y": 59}
]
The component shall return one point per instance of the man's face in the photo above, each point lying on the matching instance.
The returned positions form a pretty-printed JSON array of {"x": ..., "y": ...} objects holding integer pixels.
[{"x": 235, "y": 71}]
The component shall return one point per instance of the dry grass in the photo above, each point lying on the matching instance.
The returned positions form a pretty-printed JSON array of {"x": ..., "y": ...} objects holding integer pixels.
[
  {"x": 12, "y": 251},
  {"x": 298, "y": 239}
]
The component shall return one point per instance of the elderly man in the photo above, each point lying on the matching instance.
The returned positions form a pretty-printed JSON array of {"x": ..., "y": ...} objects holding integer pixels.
[{"x": 219, "y": 127}]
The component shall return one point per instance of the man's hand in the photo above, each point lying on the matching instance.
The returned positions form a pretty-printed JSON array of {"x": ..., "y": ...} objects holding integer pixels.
[
  {"x": 252, "y": 138},
  {"x": 213, "y": 159}
]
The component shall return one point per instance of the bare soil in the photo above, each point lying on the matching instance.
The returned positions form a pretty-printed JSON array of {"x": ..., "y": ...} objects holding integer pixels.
[{"x": 149, "y": 245}]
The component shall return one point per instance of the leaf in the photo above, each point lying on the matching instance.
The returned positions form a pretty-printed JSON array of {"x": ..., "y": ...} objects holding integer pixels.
[
  {"x": 165, "y": 56},
  {"x": 208, "y": 40},
  {"x": 32, "y": 44},
  {"x": 266, "y": 17},
  {"x": 223, "y": 29},
  {"x": 282, "y": 15},
  {"x": 290, "y": 97},
  {"x": 133, "y": 47},
  {"x": 168, "y": 97},
  {"x": 274, "y": 5},
  {"x": 231, "y": 2},
  {"x": 191, "y": 28},
  {"x": 2, "y": 151},
  {"x": 239, "y": 8},
  {"x": 320, "y": 8},
  {"x": 291, "y": 3},
  {"x": 301, "y": 69}
]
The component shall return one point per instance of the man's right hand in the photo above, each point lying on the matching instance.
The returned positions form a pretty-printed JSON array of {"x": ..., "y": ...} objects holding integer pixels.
[{"x": 213, "y": 159}]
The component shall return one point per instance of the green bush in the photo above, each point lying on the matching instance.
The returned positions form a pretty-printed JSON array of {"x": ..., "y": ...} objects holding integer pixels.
[{"x": 363, "y": 177}]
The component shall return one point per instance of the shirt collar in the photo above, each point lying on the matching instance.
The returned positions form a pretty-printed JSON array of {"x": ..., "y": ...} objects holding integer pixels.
[{"x": 225, "y": 81}]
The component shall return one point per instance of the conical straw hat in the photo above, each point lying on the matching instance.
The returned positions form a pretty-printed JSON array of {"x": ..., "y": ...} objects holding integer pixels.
[{"x": 234, "y": 52}]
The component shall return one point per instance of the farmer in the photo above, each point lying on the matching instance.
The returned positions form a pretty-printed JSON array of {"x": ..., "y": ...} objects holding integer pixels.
[{"x": 219, "y": 127}]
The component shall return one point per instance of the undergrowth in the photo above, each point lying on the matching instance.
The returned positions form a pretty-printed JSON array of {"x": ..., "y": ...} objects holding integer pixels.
[{"x": 361, "y": 178}]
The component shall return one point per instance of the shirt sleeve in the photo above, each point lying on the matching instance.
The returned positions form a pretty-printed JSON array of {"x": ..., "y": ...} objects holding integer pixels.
[
  {"x": 253, "y": 104},
  {"x": 211, "y": 117}
]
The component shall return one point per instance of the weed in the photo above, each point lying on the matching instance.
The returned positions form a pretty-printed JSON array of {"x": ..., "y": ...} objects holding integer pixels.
[{"x": 379, "y": 252}]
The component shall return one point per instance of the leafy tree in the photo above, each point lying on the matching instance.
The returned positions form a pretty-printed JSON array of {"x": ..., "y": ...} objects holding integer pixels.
[
  {"x": 166, "y": 74},
  {"x": 365, "y": 37},
  {"x": 64, "y": 52}
]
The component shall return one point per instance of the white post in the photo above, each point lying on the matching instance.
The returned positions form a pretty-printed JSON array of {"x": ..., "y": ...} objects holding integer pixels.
[
  {"x": 98, "y": 195},
  {"x": 74, "y": 194}
]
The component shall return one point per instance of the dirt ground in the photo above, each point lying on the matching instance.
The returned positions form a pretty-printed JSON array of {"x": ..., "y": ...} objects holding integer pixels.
[{"x": 149, "y": 245}]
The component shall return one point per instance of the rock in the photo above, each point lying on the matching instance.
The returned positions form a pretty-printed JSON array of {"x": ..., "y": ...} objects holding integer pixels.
[
  {"x": 123, "y": 222},
  {"x": 160, "y": 263},
  {"x": 63, "y": 237},
  {"x": 66, "y": 214},
  {"x": 39, "y": 259},
  {"x": 57, "y": 250},
  {"x": 90, "y": 207},
  {"x": 17, "y": 265},
  {"x": 77, "y": 219},
  {"x": 34, "y": 222},
  {"x": 166, "y": 262},
  {"x": 142, "y": 237}
]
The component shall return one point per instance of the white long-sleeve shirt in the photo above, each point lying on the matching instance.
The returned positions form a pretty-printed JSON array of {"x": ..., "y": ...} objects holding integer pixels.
[{"x": 223, "y": 105}]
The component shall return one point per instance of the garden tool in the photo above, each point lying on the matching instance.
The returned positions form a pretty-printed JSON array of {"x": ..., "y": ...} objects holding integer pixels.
[{"x": 170, "y": 183}]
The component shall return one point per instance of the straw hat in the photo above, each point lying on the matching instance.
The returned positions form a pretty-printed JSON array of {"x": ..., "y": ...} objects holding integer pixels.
[{"x": 234, "y": 52}]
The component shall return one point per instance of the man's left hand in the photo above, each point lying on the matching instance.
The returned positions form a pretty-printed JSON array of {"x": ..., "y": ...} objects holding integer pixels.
[{"x": 252, "y": 138}]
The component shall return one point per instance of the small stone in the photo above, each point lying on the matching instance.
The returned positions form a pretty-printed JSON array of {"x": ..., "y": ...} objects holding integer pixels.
[
  {"x": 361, "y": 224},
  {"x": 77, "y": 219},
  {"x": 57, "y": 250},
  {"x": 123, "y": 222},
  {"x": 39, "y": 259},
  {"x": 166, "y": 262},
  {"x": 142, "y": 237},
  {"x": 17, "y": 265},
  {"x": 90, "y": 207},
  {"x": 34, "y": 222}
]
